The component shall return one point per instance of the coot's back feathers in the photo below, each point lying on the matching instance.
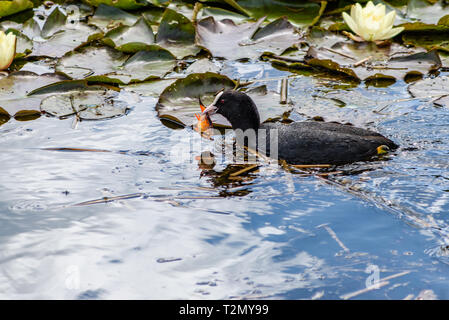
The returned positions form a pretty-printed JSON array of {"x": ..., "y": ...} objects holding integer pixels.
[{"x": 325, "y": 143}]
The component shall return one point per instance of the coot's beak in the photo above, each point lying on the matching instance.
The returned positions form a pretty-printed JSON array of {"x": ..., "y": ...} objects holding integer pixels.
[{"x": 211, "y": 109}]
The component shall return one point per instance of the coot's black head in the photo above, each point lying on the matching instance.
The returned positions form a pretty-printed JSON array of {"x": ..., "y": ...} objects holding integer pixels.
[{"x": 238, "y": 108}]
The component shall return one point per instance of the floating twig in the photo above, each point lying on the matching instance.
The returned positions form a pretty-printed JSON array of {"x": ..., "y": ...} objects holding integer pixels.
[
  {"x": 378, "y": 285},
  {"x": 75, "y": 149},
  {"x": 288, "y": 59},
  {"x": 362, "y": 61},
  {"x": 249, "y": 168},
  {"x": 334, "y": 236},
  {"x": 325, "y": 174},
  {"x": 387, "y": 68},
  {"x": 340, "y": 53},
  {"x": 306, "y": 166},
  {"x": 109, "y": 199},
  {"x": 382, "y": 282}
]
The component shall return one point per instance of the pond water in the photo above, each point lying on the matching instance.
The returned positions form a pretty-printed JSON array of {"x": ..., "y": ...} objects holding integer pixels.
[{"x": 185, "y": 232}]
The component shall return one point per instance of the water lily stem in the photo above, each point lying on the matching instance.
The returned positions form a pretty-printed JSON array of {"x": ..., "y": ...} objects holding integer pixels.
[{"x": 284, "y": 90}]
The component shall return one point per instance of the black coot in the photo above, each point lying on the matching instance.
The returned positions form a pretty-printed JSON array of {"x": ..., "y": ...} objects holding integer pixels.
[{"x": 302, "y": 142}]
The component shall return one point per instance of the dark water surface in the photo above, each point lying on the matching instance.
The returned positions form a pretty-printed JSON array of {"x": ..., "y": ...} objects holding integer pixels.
[{"x": 191, "y": 233}]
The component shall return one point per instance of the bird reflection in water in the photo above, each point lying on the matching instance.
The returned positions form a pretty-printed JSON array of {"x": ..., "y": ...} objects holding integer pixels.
[{"x": 227, "y": 184}]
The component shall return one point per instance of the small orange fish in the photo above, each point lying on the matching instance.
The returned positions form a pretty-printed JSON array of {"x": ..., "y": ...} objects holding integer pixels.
[{"x": 204, "y": 121}]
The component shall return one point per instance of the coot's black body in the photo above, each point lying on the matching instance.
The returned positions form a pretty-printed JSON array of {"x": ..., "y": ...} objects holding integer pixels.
[{"x": 302, "y": 142}]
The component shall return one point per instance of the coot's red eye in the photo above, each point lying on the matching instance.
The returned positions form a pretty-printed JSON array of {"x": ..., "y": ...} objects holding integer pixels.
[{"x": 222, "y": 101}]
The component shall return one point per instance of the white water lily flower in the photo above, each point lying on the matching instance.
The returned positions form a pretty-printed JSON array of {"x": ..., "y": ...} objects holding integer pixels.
[
  {"x": 7, "y": 49},
  {"x": 371, "y": 23}
]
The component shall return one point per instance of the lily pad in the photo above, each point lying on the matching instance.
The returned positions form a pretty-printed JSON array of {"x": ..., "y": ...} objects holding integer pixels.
[
  {"x": 428, "y": 40},
  {"x": 203, "y": 65},
  {"x": 229, "y": 5},
  {"x": 153, "y": 15},
  {"x": 268, "y": 103},
  {"x": 227, "y": 40},
  {"x": 108, "y": 65},
  {"x": 107, "y": 17},
  {"x": 122, "y": 4},
  {"x": 41, "y": 66},
  {"x": 220, "y": 14},
  {"x": 176, "y": 33},
  {"x": 14, "y": 90},
  {"x": 11, "y": 7},
  {"x": 154, "y": 88},
  {"x": 426, "y": 12},
  {"x": 365, "y": 61},
  {"x": 54, "y": 23},
  {"x": 151, "y": 88},
  {"x": 300, "y": 13},
  {"x": 294, "y": 57},
  {"x": 87, "y": 105},
  {"x": 179, "y": 101},
  {"x": 443, "y": 101},
  {"x": 57, "y": 37},
  {"x": 24, "y": 45},
  {"x": 130, "y": 39},
  {"x": 436, "y": 89}
]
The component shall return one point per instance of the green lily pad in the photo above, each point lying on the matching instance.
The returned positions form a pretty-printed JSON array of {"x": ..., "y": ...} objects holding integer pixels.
[
  {"x": 300, "y": 13},
  {"x": 130, "y": 39},
  {"x": 87, "y": 105},
  {"x": 203, "y": 65},
  {"x": 91, "y": 61},
  {"x": 229, "y": 5},
  {"x": 443, "y": 101},
  {"x": 151, "y": 88},
  {"x": 444, "y": 56},
  {"x": 294, "y": 57},
  {"x": 54, "y": 23},
  {"x": 108, "y": 65},
  {"x": 220, "y": 14},
  {"x": 179, "y": 101},
  {"x": 122, "y": 4},
  {"x": 57, "y": 37},
  {"x": 14, "y": 90},
  {"x": 107, "y": 17},
  {"x": 41, "y": 66},
  {"x": 176, "y": 33},
  {"x": 23, "y": 45},
  {"x": 424, "y": 27},
  {"x": 389, "y": 62},
  {"x": 268, "y": 103},
  {"x": 426, "y": 12},
  {"x": 437, "y": 89},
  {"x": 428, "y": 40},
  {"x": 153, "y": 15},
  {"x": 11, "y": 7},
  {"x": 227, "y": 40}
]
